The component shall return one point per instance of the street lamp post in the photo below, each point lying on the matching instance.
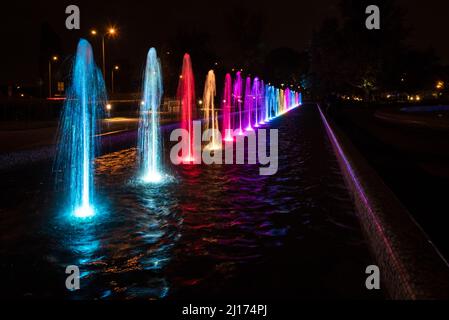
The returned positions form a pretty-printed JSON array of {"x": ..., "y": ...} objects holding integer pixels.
[
  {"x": 110, "y": 32},
  {"x": 116, "y": 68},
  {"x": 53, "y": 58}
]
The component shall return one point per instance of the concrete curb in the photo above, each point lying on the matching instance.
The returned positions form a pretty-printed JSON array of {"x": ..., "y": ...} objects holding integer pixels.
[{"x": 411, "y": 267}]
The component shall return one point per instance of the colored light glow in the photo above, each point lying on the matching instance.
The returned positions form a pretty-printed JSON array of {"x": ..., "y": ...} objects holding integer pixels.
[
  {"x": 248, "y": 104},
  {"x": 84, "y": 212},
  {"x": 237, "y": 100},
  {"x": 153, "y": 177},
  {"x": 227, "y": 108},
  {"x": 186, "y": 95},
  {"x": 213, "y": 146},
  {"x": 255, "y": 92},
  {"x": 211, "y": 116},
  {"x": 187, "y": 159}
]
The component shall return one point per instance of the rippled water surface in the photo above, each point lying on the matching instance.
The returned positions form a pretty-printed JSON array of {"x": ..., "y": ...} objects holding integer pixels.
[{"x": 208, "y": 231}]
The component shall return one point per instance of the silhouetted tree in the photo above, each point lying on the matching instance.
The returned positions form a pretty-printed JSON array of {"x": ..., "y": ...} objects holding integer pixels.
[
  {"x": 246, "y": 30},
  {"x": 347, "y": 57},
  {"x": 195, "y": 42},
  {"x": 286, "y": 65},
  {"x": 50, "y": 45}
]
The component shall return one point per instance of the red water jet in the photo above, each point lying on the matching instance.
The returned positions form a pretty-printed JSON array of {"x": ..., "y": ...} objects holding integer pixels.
[{"x": 186, "y": 96}]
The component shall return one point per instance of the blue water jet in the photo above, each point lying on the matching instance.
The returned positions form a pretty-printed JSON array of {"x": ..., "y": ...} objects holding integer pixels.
[
  {"x": 76, "y": 148},
  {"x": 149, "y": 136}
]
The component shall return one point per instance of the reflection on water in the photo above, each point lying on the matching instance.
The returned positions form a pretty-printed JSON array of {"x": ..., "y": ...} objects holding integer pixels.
[{"x": 207, "y": 231}]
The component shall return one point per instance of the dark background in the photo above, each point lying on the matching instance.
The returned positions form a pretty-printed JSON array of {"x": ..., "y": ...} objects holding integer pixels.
[{"x": 226, "y": 31}]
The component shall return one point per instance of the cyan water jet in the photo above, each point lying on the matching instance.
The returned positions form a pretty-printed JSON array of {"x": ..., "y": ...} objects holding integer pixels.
[{"x": 76, "y": 148}]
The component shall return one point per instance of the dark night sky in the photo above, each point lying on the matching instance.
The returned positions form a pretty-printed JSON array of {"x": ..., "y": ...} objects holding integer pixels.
[{"x": 143, "y": 24}]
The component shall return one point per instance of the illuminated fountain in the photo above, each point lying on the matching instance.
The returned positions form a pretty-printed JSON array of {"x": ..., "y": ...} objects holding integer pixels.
[
  {"x": 287, "y": 100},
  {"x": 267, "y": 103},
  {"x": 255, "y": 106},
  {"x": 76, "y": 146},
  {"x": 237, "y": 100},
  {"x": 281, "y": 102},
  {"x": 210, "y": 115},
  {"x": 186, "y": 96},
  {"x": 261, "y": 103},
  {"x": 248, "y": 104},
  {"x": 226, "y": 107},
  {"x": 275, "y": 102},
  {"x": 149, "y": 135}
]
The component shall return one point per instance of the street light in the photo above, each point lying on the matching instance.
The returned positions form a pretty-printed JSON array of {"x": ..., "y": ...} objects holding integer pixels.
[
  {"x": 110, "y": 32},
  {"x": 116, "y": 68},
  {"x": 52, "y": 59}
]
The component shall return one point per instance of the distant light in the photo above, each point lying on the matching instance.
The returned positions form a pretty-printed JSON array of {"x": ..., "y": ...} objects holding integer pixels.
[
  {"x": 93, "y": 32},
  {"x": 22, "y": 95},
  {"x": 112, "y": 31},
  {"x": 54, "y": 58},
  {"x": 200, "y": 102},
  {"x": 116, "y": 67},
  {"x": 108, "y": 107},
  {"x": 142, "y": 103},
  {"x": 180, "y": 77}
]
